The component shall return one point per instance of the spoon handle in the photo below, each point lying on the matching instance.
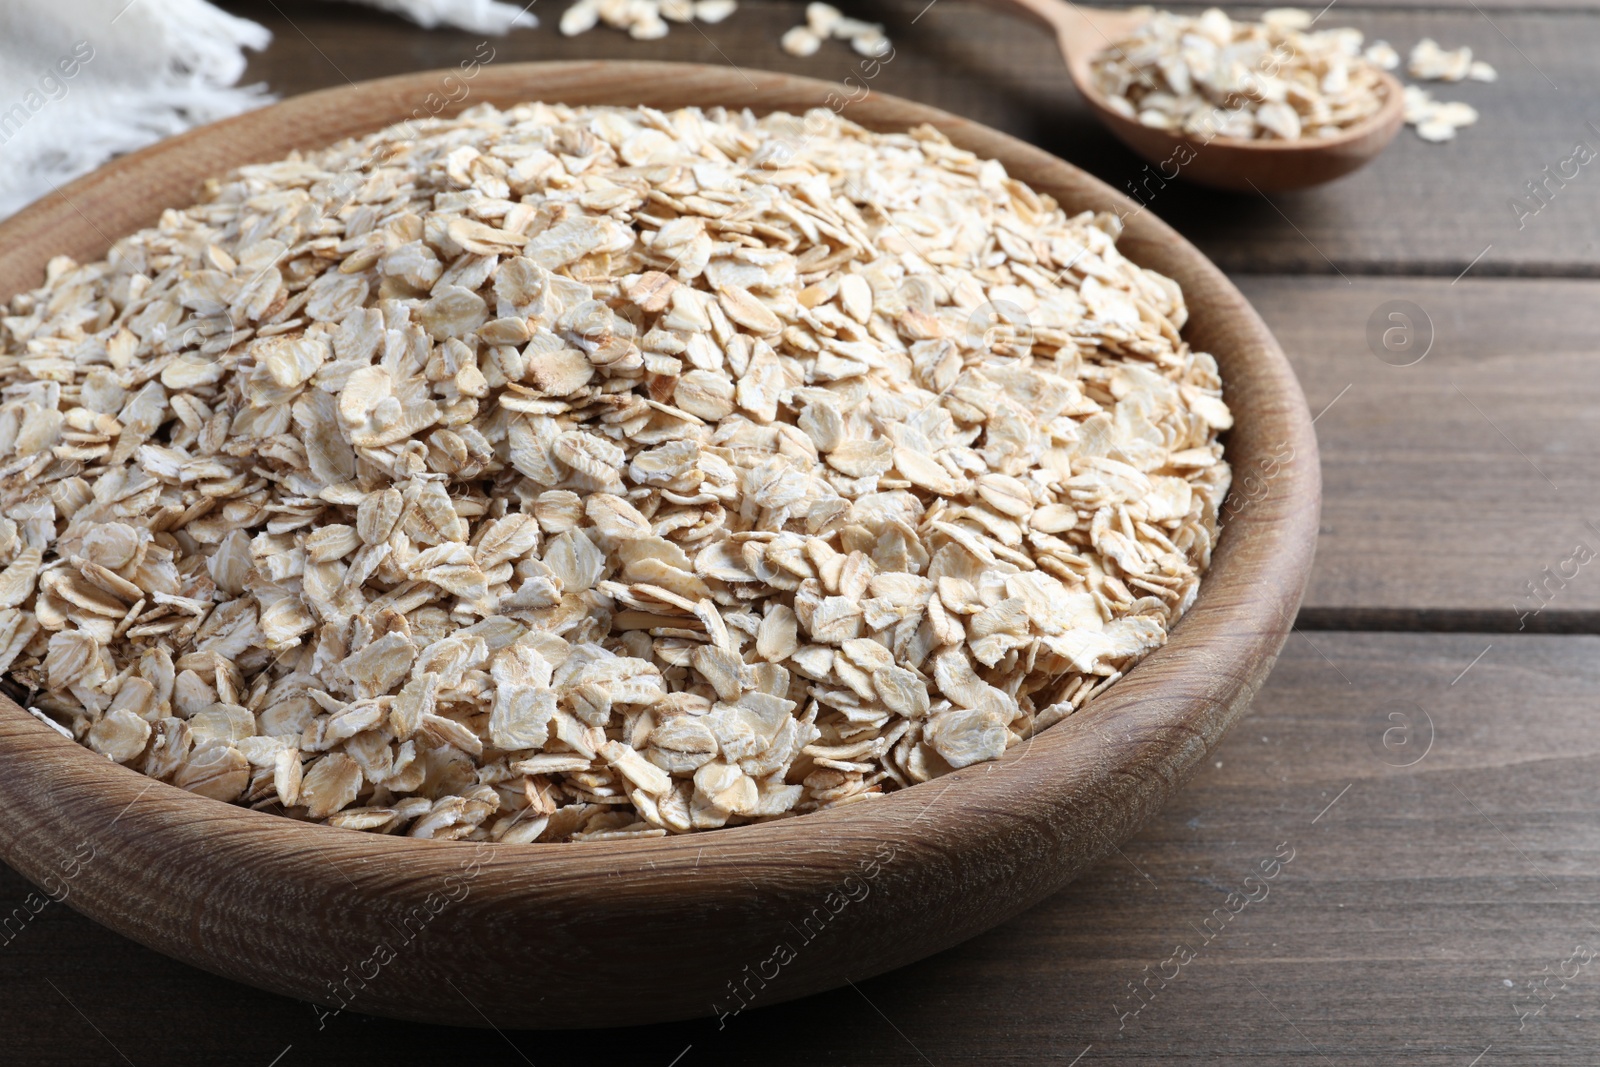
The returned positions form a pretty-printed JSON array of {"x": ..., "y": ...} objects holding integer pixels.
[{"x": 1081, "y": 32}]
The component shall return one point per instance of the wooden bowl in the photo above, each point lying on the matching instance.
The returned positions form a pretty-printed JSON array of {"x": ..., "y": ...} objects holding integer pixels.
[{"x": 610, "y": 933}]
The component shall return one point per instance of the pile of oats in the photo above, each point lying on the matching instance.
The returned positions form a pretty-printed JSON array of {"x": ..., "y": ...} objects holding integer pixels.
[
  {"x": 1209, "y": 76},
  {"x": 575, "y": 473},
  {"x": 1272, "y": 80}
]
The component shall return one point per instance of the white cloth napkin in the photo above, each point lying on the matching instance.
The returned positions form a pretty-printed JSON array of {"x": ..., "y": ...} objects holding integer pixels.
[{"x": 84, "y": 80}]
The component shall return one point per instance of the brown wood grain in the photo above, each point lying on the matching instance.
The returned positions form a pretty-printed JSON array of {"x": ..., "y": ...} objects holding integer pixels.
[
  {"x": 1389, "y": 938},
  {"x": 1452, "y": 483},
  {"x": 1418, "y": 209},
  {"x": 661, "y": 925}
]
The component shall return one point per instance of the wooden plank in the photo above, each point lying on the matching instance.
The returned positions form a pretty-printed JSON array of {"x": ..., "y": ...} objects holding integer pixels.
[
  {"x": 1520, "y": 6},
  {"x": 1419, "y": 209},
  {"x": 1450, "y": 484},
  {"x": 1419, "y": 904},
  {"x": 1523, "y": 6}
]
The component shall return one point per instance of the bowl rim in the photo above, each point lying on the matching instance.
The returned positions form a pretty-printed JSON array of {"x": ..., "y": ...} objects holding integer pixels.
[{"x": 1215, "y": 658}]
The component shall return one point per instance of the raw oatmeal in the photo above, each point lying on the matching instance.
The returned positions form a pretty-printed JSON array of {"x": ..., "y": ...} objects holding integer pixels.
[
  {"x": 1207, "y": 76},
  {"x": 1212, "y": 76},
  {"x": 573, "y": 473}
]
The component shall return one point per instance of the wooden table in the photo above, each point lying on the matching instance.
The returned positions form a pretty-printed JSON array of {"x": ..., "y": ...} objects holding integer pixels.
[{"x": 1425, "y": 750}]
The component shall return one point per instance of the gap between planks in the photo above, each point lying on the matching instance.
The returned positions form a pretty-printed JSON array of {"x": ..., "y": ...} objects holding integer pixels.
[{"x": 1447, "y": 621}]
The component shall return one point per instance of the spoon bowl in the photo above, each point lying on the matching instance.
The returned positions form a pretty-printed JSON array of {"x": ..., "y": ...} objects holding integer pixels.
[{"x": 1230, "y": 163}]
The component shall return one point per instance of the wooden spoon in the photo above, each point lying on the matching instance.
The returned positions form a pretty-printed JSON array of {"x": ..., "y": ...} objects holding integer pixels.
[{"x": 1222, "y": 162}]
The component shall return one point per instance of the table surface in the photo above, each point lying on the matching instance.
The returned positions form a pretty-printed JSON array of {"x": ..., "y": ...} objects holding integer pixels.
[{"x": 1420, "y": 750}]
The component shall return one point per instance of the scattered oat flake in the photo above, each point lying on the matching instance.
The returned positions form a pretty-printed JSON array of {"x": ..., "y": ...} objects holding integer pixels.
[
  {"x": 824, "y": 21},
  {"x": 1429, "y": 62},
  {"x": 1382, "y": 54},
  {"x": 800, "y": 41},
  {"x": 1436, "y": 120},
  {"x": 643, "y": 20}
]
